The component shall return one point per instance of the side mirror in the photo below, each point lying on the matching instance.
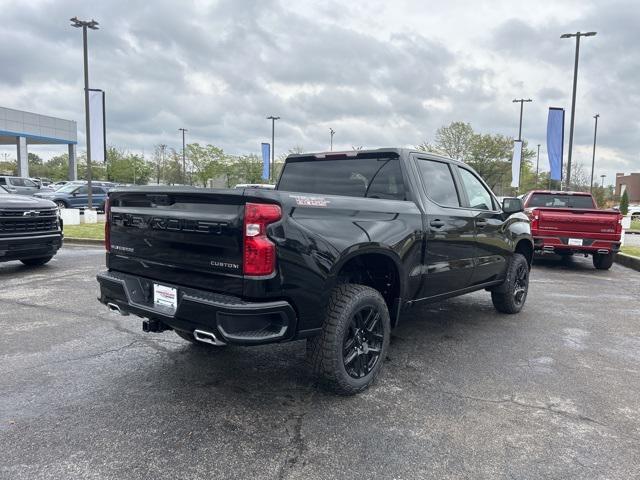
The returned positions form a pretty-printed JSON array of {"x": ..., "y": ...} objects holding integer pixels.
[{"x": 512, "y": 205}]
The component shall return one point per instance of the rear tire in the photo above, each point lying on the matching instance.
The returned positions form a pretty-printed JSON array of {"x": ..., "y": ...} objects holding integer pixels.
[
  {"x": 61, "y": 204},
  {"x": 603, "y": 261},
  {"x": 349, "y": 353},
  {"x": 36, "y": 262},
  {"x": 511, "y": 295}
]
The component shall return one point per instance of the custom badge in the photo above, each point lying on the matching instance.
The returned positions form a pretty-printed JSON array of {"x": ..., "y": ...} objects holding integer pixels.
[{"x": 305, "y": 201}]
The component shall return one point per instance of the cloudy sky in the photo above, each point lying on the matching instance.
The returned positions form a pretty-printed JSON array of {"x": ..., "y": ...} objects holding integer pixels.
[{"x": 379, "y": 73}]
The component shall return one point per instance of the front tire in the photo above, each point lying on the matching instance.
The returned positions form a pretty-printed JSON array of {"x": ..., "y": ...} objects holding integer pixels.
[
  {"x": 511, "y": 295},
  {"x": 349, "y": 353},
  {"x": 603, "y": 261},
  {"x": 36, "y": 262},
  {"x": 61, "y": 204}
]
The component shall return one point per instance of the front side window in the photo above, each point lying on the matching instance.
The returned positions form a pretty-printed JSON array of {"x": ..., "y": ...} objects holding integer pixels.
[
  {"x": 352, "y": 177},
  {"x": 479, "y": 196},
  {"x": 17, "y": 182},
  {"x": 439, "y": 182},
  {"x": 82, "y": 191},
  {"x": 3, "y": 181},
  {"x": 28, "y": 183}
]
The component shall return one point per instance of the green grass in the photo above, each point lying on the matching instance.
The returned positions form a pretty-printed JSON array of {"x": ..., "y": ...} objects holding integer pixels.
[
  {"x": 85, "y": 230},
  {"x": 635, "y": 251}
]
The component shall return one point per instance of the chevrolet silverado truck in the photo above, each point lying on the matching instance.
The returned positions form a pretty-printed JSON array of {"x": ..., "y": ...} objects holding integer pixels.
[
  {"x": 30, "y": 229},
  {"x": 333, "y": 255},
  {"x": 566, "y": 223}
]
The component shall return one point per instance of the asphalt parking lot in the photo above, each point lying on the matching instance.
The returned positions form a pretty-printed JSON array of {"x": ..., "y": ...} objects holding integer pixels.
[{"x": 466, "y": 392}]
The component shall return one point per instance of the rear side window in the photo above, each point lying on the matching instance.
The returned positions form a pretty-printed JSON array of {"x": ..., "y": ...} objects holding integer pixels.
[
  {"x": 97, "y": 190},
  {"x": 357, "y": 177},
  {"x": 17, "y": 182},
  {"x": 439, "y": 182},
  {"x": 551, "y": 200}
]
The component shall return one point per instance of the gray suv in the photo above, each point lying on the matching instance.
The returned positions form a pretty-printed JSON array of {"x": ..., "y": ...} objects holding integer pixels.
[{"x": 19, "y": 185}]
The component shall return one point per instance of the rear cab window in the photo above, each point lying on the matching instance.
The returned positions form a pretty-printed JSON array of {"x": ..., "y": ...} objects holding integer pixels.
[
  {"x": 366, "y": 177},
  {"x": 560, "y": 200}
]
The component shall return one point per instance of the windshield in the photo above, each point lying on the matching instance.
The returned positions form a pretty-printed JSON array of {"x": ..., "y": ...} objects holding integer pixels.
[
  {"x": 68, "y": 188},
  {"x": 558, "y": 200}
]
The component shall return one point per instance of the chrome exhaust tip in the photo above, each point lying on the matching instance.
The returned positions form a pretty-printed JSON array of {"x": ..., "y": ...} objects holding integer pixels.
[
  {"x": 115, "y": 308},
  {"x": 207, "y": 337},
  {"x": 603, "y": 251}
]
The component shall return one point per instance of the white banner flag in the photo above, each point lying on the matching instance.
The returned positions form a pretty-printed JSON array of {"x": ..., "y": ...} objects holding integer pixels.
[
  {"x": 515, "y": 163},
  {"x": 96, "y": 119}
]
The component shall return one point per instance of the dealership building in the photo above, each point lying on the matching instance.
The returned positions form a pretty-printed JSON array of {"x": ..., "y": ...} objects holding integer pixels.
[
  {"x": 22, "y": 129},
  {"x": 629, "y": 183}
]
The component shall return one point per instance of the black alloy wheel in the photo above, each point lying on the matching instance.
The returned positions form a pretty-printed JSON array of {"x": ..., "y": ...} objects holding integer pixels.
[
  {"x": 521, "y": 284},
  {"x": 363, "y": 342}
]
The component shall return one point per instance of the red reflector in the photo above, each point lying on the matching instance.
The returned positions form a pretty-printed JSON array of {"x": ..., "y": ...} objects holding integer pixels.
[
  {"x": 107, "y": 225},
  {"x": 259, "y": 251}
]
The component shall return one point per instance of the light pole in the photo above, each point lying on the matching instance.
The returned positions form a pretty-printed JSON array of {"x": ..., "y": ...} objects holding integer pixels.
[
  {"x": 93, "y": 25},
  {"x": 593, "y": 159},
  {"x": 184, "y": 162},
  {"x": 537, "y": 165},
  {"x": 521, "y": 101},
  {"x": 332, "y": 133},
  {"x": 273, "y": 141},
  {"x": 573, "y": 96}
]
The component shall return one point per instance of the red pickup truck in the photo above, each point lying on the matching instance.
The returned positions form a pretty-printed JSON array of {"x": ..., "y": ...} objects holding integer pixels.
[{"x": 569, "y": 222}]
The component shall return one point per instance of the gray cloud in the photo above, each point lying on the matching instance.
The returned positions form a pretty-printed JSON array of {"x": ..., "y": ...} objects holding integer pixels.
[{"x": 219, "y": 69}]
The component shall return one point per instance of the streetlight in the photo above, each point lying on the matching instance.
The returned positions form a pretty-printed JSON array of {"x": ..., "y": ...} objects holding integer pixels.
[
  {"x": 332, "y": 133},
  {"x": 602, "y": 177},
  {"x": 537, "y": 165},
  {"x": 273, "y": 141},
  {"x": 522, "y": 102},
  {"x": 93, "y": 25},
  {"x": 573, "y": 97},
  {"x": 593, "y": 159},
  {"x": 184, "y": 162}
]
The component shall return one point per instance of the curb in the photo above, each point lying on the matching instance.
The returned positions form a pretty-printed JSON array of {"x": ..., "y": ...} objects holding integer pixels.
[
  {"x": 83, "y": 241},
  {"x": 628, "y": 261}
]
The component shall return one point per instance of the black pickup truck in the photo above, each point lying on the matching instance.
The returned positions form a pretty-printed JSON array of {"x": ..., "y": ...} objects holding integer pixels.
[
  {"x": 334, "y": 254},
  {"x": 30, "y": 229}
]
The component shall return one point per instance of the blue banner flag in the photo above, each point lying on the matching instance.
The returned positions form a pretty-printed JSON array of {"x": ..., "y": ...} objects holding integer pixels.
[
  {"x": 266, "y": 156},
  {"x": 555, "y": 141}
]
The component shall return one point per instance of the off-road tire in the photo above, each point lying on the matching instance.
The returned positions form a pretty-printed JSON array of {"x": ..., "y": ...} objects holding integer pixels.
[
  {"x": 326, "y": 352},
  {"x": 603, "y": 261},
  {"x": 508, "y": 297},
  {"x": 36, "y": 262}
]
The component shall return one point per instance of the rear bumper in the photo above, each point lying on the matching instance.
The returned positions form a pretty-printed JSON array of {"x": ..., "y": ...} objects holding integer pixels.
[
  {"x": 29, "y": 246},
  {"x": 561, "y": 245},
  {"x": 229, "y": 318}
]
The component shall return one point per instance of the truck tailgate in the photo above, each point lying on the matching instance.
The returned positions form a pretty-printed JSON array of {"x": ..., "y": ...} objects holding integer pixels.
[
  {"x": 578, "y": 223},
  {"x": 184, "y": 236}
]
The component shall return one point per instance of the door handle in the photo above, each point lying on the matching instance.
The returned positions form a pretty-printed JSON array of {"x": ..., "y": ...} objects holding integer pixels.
[
  {"x": 481, "y": 222},
  {"x": 437, "y": 223}
]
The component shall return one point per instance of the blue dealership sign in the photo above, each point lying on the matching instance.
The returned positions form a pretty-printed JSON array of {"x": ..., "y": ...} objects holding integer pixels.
[
  {"x": 555, "y": 141},
  {"x": 266, "y": 156}
]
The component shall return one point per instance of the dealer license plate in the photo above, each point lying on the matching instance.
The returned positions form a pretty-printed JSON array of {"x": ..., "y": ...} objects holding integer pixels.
[
  {"x": 575, "y": 242},
  {"x": 164, "y": 296}
]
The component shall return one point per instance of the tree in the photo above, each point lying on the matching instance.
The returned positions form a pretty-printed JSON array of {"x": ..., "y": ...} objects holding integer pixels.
[
  {"x": 244, "y": 169},
  {"x": 159, "y": 161},
  {"x": 127, "y": 167},
  {"x": 624, "y": 203},
  {"x": 454, "y": 141},
  {"x": 208, "y": 162}
]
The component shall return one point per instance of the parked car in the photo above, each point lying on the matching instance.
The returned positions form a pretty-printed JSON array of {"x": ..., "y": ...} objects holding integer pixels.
[
  {"x": 634, "y": 211},
  {"x": 30, "y": 229},
  {"x": 74, "y": 195},
  {"x": 19, "y": 185},
  {"x": 333, "y": 255},
  {"x": 569, "y": 222}
]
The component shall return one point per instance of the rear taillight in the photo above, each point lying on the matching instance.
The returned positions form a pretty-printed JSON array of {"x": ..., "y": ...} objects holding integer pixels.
[
  {"x": 107, "y": 225},
  {"x": 259, "y": 251},
  {"x": 534, "y": 218},
  {"x": 619, "y": 225}
]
